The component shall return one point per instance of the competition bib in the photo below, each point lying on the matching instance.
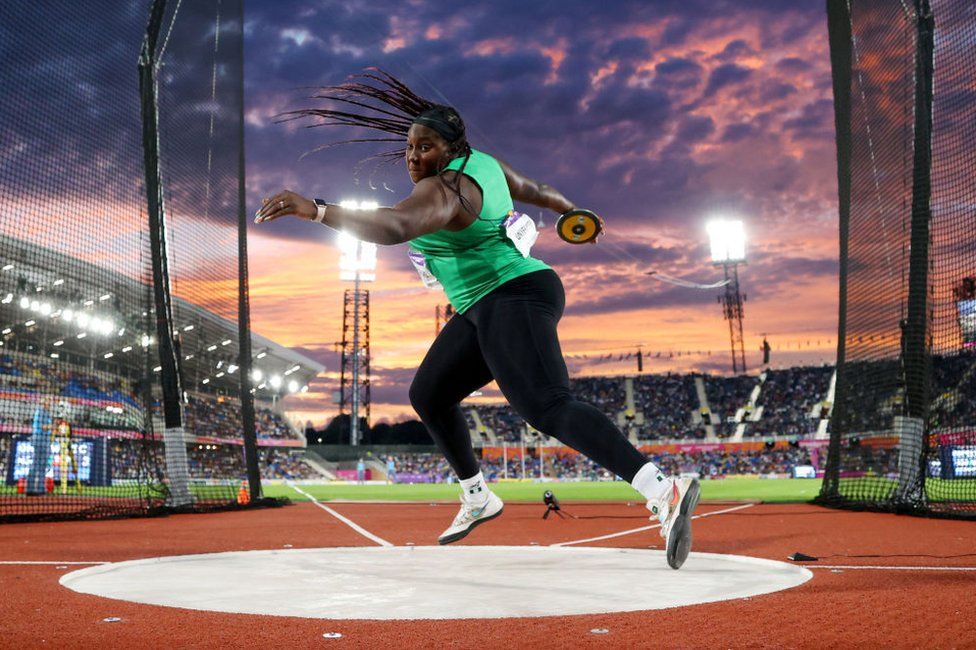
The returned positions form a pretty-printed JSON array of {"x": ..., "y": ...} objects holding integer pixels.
[
  {"x": 520, "y": 228},
  {"x": 420, "y": 263}
]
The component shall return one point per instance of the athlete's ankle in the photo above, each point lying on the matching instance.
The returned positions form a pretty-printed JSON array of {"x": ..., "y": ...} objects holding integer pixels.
[
  {"x": 475, "y": 490},
  {"x": 652, "y": 483}
]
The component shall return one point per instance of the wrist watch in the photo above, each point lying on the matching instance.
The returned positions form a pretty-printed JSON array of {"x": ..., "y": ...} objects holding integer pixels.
[{"x": 320, "y": 208}]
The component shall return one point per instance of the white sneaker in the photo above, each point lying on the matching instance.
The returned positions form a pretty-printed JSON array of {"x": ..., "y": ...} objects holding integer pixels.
[
  {"x": 675, "y": 512},
  {"x": 469, "y": 516}
]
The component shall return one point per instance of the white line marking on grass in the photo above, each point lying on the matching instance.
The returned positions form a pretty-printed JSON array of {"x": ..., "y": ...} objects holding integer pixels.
[
  {"x": 26, "y": 562},
  {"x": 651, "y": 527},
  {"x": 888, "y": 568},
  {"x": 356, "y": 527}
]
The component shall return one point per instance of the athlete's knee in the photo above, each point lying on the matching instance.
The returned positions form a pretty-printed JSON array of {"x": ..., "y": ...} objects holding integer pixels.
[
  {"x": 550, "y": 415},
  {"x": 425, "y": 401},
  {"x": 420, "y": 399}
]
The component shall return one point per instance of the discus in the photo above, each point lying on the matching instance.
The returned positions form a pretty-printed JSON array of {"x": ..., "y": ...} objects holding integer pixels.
[{"x": 579, "y": 227}]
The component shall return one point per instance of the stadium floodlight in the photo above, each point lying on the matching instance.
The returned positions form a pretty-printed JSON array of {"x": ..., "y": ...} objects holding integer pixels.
[
  {"x": 357, "y": 259},
  {"x": 728, "y": 241},
  {"x": 293, "y": 386},
  {"x": 231, "y": 369},
  {"x": 68, "y": 315},
  {"x": 83, "y": 319},
  {"x": 146, "y": 340},
  {"x": 7, "y": 299},
  {"x": 305, "y": 388},
  {"x": 276, "y": 382},
  {"x": 256, "y": 374},
  {"x": 25, "y": 303},
  {"x": 45, "y": 309},
  {"x": 35, "y": 305}
]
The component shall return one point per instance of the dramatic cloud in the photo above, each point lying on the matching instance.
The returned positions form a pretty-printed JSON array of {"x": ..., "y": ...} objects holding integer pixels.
[{"x": 658, "y": 115}]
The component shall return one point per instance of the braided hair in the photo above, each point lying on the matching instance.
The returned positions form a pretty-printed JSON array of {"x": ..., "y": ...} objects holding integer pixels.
[{"x": 375, "y": 99}]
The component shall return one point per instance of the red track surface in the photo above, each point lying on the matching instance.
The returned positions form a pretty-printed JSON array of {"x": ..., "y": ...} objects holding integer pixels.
[{"x": 859, "y": 608}]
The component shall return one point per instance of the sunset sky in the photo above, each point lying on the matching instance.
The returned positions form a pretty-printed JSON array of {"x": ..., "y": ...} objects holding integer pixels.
[{"x": 658, "y": 115}]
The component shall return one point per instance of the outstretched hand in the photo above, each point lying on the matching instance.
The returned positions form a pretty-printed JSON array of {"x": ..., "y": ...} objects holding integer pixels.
[{"x": 283, "y": 204}]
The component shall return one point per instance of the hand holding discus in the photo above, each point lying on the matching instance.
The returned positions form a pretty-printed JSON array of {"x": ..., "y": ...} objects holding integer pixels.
[{"x": 578, "y": 226}]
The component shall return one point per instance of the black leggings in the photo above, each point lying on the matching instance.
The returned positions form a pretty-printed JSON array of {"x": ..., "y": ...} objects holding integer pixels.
[{"x": 510, "y": 336}]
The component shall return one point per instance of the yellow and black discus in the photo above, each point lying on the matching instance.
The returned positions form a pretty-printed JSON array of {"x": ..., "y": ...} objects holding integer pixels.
[{"x": 579, "y": 226}]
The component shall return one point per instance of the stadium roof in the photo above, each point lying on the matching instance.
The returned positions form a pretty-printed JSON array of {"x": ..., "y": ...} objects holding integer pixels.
[{"x": 61, "y": 305}]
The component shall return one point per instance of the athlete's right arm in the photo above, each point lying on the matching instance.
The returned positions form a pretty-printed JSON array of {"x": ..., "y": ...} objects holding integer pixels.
[
  {"x": 429, "y": 208},
  {"x": 526, "y": 190}
]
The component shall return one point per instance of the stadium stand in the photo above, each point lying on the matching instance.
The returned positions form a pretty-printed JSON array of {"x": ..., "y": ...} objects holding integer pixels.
[
  {"x": 726, "y": 397},
  {"x": 787, "y": 399}
]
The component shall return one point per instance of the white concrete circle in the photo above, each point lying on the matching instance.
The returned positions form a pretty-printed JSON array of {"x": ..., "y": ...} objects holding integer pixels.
[{"x": 434, "y": 582}]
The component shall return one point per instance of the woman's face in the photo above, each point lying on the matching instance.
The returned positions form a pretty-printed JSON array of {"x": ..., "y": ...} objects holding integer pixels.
[{"x": 427, "y": 152}]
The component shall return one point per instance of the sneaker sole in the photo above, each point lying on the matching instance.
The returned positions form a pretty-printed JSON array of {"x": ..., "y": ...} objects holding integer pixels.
[
  {"x": 690, "y": 502},
  {"x": 679, "y": 543},
  {"x": 679, "y": 546},
  {"x": 450, "y": 539}
]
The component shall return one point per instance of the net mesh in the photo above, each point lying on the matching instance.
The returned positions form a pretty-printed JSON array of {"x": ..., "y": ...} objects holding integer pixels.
[
  {"x": 902, "y": 426},
  {"x": 199, "y": 107},
  {"x": 80, "y": 425},
  {"x": 75, "y": 265},
  {"x": 950, "y": 461}
]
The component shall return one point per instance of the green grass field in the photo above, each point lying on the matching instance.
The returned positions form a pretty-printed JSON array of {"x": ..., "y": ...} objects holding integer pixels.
[
  {"x": 731, "y": 489},
  {"x": 772, "y": 491}
]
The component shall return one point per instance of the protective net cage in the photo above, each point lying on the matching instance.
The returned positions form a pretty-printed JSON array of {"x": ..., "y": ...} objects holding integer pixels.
[
  {"x": 87, "y": 297},
  {"x": 903, "y": 426}
]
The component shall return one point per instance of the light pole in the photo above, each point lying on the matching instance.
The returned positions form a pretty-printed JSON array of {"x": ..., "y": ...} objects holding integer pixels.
[
  {"x": 728, "y": 244},
  {"x": 357, "y": 263}
]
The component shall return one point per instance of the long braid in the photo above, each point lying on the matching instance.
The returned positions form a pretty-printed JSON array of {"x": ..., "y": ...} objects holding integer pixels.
[{"x": 387, "y": 105}]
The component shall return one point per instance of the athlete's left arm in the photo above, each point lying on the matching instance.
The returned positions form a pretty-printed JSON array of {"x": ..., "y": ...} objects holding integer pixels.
[
  {"x": 523, "y": 188},
  {"x": 429, "y": 208}
]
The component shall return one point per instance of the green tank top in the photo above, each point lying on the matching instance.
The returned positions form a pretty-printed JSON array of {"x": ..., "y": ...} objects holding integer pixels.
[{"x": 472, "y": 262}]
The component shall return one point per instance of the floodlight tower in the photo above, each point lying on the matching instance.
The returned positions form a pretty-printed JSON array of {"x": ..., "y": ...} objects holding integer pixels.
[
  {"x": 728, "y": 244},
  {"x": 357, "y": 264}
]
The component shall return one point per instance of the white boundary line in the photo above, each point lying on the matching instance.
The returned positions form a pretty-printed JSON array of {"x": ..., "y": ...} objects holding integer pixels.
[
  {"x": 26, "y": 562},
  {"x": 887, "y": 568},
  {"x": 356, "y": 527},
  {"x": 651, "y": 527}
]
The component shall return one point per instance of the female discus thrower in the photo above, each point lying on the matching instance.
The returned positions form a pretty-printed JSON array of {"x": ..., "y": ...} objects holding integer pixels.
[{"x": 458, "y": 221}]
